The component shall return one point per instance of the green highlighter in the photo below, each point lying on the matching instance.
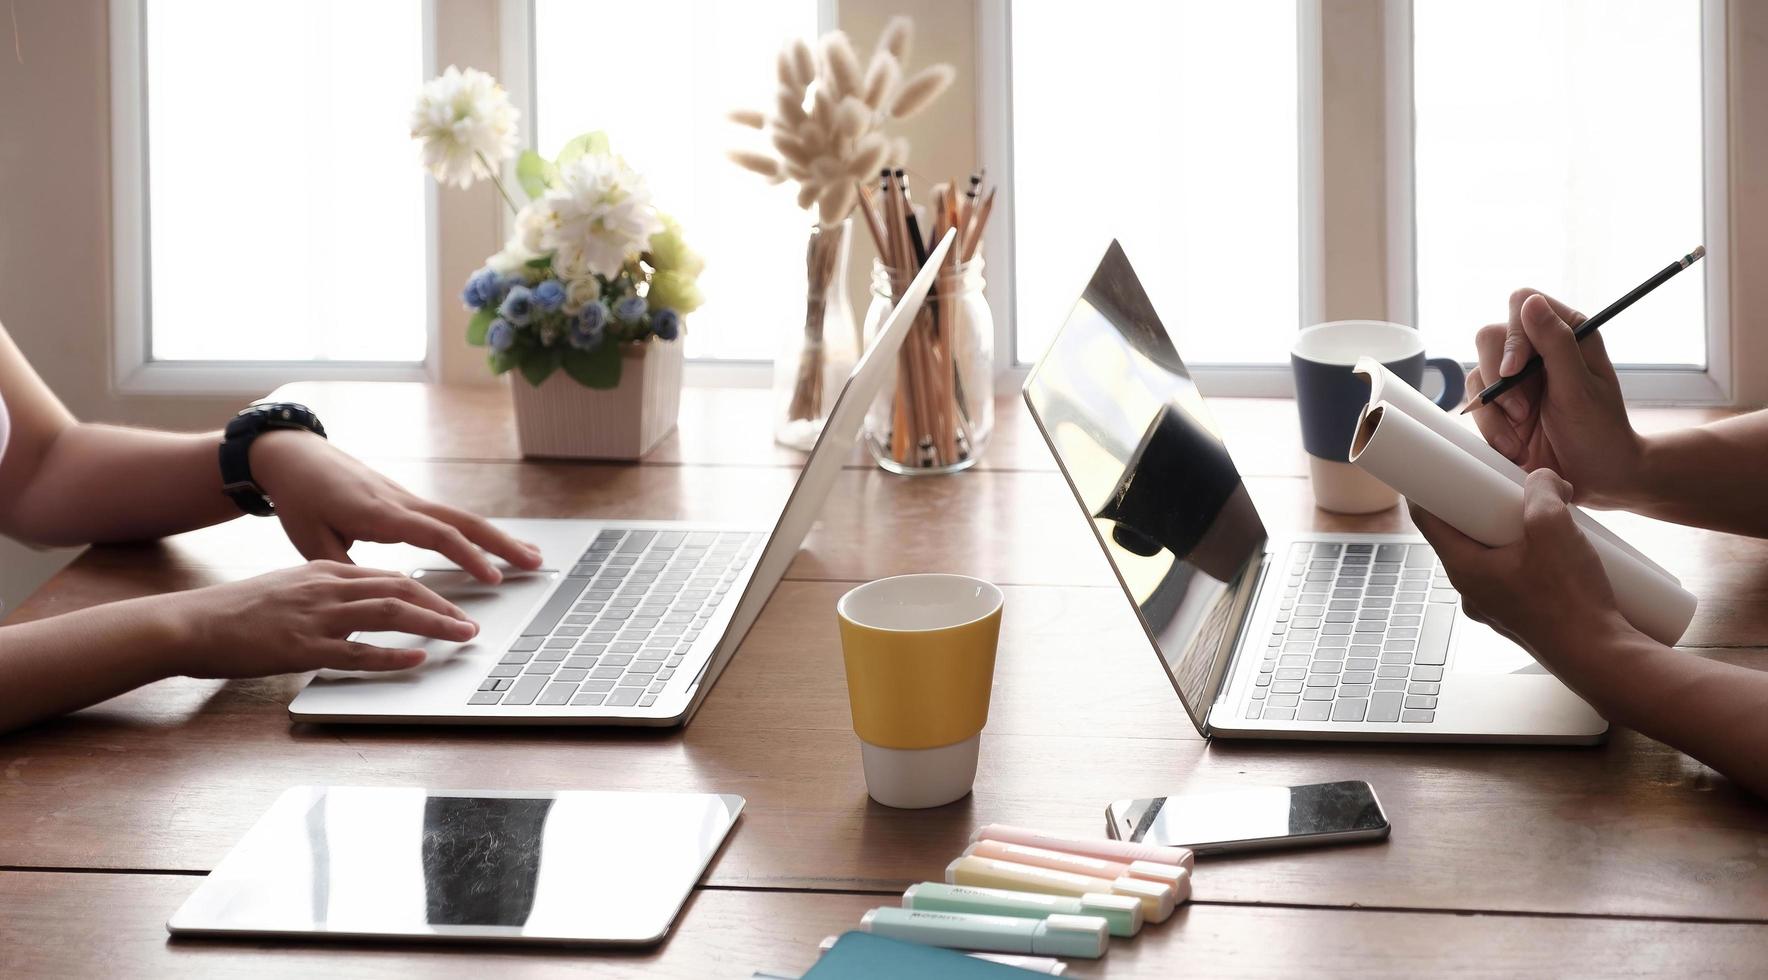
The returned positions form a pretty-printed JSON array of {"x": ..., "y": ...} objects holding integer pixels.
[{"x": 1122, "y": 913}]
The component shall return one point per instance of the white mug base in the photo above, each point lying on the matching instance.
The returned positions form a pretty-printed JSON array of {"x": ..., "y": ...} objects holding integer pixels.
[
  {"x": 915, "y": 779},
  {"x": 1345, "y": 488}
]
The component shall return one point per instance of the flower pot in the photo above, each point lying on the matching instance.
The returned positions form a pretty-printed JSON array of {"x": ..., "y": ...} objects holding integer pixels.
[{"x": 563, "y": 419}]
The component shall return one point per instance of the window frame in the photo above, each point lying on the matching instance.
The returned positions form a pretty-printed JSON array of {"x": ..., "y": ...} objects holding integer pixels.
[
  {"x": 1392, "y": 112},
  {"x": 134, "y": 370},
  {"x": 516, "y": 55},
  {"x": 1647, "y": 384}
]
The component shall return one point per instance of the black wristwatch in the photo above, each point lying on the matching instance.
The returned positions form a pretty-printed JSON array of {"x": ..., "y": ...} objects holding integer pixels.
[{"x": 236, "y": 449}]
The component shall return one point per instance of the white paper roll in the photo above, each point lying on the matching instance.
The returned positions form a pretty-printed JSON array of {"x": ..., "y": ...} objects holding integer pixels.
[
  {"x": 1386, "y": 386},
  {"x": 1421, "y": 463}
]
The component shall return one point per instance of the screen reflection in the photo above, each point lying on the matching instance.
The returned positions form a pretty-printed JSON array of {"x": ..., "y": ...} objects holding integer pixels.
[{"x": 1144, "y": 458}]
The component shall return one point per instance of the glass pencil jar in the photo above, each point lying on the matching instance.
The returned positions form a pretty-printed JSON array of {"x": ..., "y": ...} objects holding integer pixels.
[{"x": 936, "y": 411}]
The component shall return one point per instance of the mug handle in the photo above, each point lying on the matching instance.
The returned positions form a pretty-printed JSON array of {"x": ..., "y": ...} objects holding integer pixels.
[{"x": 1454, "y": 382}]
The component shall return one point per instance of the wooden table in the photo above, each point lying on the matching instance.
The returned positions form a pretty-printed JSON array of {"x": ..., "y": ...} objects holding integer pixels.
[{"x": 1629, "y": 858}]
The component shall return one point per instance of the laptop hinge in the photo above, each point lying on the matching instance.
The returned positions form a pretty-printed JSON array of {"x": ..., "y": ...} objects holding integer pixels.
[{"x": 1253, "y": 587}]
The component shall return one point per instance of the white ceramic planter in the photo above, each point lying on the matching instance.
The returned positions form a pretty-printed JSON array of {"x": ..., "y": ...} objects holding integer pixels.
[{"x": 563, "y": 419}]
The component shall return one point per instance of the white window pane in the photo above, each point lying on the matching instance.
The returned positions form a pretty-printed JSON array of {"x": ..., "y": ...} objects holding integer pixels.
[
  {"x": 1559, "y": 147},
  {"x": 285, "y": 197},
  {"x": 658, "y": 77},
  {"x": 1171, "y": 126}
]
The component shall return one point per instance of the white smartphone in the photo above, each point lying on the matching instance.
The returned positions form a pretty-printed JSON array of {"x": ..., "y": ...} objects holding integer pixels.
[{"x": 1253, "y": 819}]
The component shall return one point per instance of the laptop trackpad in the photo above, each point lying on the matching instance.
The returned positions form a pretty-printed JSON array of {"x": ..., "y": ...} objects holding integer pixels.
[
  {"x": 1479, "y": 649},
  {"x": 500, "y": 610}
]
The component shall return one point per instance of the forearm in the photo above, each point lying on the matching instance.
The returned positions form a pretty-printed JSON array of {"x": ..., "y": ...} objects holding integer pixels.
[
  {"x": 1710, "y": 710},
  {"x": 98, "y": 483},
  {"x": 52, "y": 666},
  {"x": 1712, "y": 476}
]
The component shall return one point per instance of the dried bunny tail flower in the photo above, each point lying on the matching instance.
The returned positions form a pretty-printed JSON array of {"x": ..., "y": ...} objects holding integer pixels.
[
  {"x": 787, "y": 71},
  {"x": 751, "y": 118},
  {"x": 807, "y": 194},
  {"x": 761, "y": 163},
  {"x": 896, "y": 38},
  {"x": 791, "y": 150},
  {"x": 803, "y": 64},
  {"x": 881, "y": 79},
  {"x": 868, "y": 155},
  {"x": 836, "y": 203},
  {"x": 921, "y": 89},
  {"x": 844, "y": 71},
  {"x": 822, "y": 109},
  {"x": 850, "y": 119},
  {"x": 789, "y": 107}
]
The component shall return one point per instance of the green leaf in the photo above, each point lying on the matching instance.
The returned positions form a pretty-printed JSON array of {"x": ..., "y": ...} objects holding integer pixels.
[
  {"x": 501, "y": 361},
  {"x": 539, "y": 365},
  {"x": 588, "y": 143},
  {"x": 477, "y": 326},
  {"x": 534, "y": 173},
  {"x": 543, "y": 263},
  {"x": 599, "y": 368}
]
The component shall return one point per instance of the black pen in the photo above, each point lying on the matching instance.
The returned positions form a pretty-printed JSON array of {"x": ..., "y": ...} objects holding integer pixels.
[{"x": 1585, "y": 329}]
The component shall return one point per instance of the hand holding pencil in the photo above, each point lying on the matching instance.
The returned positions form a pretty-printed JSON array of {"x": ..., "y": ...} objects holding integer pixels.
[{"x": 1576, "y": 426}]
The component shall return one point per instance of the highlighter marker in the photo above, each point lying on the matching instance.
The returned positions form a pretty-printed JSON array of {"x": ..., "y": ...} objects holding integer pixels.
[
  {"x": 1080, "y": 864},
  {"x": 1110, "y": 850},
  {"x": 1058, "y": 935},
  {"x": 1157, "y": 900},
  {"x": 1121, "y": 913},
  {"x": 1036, "y": 964}
]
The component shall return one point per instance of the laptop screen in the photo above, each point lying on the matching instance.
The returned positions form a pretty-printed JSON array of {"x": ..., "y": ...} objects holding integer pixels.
[{"x": 1147, "y": 464}]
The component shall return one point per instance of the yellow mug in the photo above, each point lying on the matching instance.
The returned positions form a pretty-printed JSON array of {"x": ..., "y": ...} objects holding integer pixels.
[{"x": 920, "y": 652}]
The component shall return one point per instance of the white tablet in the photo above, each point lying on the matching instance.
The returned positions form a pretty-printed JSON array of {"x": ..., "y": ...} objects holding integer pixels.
[{"x": 551, "y": 867}]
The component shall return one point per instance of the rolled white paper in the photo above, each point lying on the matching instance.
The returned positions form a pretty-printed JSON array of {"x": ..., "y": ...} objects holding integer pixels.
[
  {"x": 1419, "y": 462},
  {"x": 1386, "y": 386}
]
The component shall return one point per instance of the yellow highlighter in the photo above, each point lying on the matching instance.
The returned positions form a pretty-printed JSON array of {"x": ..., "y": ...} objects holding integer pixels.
[{"x": 1157, "y": 900}]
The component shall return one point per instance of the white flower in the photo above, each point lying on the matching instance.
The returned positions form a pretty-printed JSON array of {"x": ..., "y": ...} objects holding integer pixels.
[
  {"x": 600, "y": 215},
  {"x": 466, "y": 125},
  {"x": 580, "y": 293}
]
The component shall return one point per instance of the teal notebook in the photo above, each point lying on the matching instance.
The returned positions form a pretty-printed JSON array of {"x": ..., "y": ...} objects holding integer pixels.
[{"x": 863, "y": 956}]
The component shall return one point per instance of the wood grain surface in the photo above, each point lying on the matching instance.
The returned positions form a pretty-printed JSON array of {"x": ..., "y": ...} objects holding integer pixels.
[{"x": 1623, "y": 859}]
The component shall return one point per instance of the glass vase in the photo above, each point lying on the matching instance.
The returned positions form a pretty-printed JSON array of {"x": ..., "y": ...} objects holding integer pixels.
[
  {"x": 936, "y": 412},
  {"x": 816, "y": 356}
]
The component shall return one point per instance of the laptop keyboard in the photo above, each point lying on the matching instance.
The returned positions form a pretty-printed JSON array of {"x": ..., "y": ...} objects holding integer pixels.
[
  {"x": 1362, "y": 635},
  {"x": 621, "y": 622}
]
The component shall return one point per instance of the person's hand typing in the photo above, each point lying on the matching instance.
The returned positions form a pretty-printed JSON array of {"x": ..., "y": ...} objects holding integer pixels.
[
  {"x": 1569, "y": 417},
  {"x": 297, "y": 619},
  {"x": 328, "y": 500}
]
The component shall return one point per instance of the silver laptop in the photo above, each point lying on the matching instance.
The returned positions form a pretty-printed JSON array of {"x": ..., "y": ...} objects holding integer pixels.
[
  {"x": 1310, "y": 636},
  {"x": 631, "y": 622}
]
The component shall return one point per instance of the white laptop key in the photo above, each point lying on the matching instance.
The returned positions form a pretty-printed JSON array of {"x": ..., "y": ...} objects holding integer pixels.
[
  {"x": 629, "y": 622},
  {"x": 1317, "y": 636}
]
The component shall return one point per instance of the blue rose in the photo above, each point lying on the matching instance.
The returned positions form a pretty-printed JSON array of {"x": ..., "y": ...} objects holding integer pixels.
[
  {"x": 482, "y": 290},
  {"x": 595, "y": 316},
  {"x": 549, "y": 294},
  {"x": 585, "y": 336},
  {"x": 631, "y": 309},
  {"x": 666, "y": 324},
  {"x": 500, "y": 336},
  {"x": 518, "y": 306}
]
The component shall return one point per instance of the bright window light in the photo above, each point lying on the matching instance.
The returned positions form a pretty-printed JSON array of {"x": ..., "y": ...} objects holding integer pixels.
[
  {"x": 659, "y": 77},
  {"x": 285, "y": 198},
  {"x": 1173, "y": 127},
  {"x": 1559, "y": 147}
]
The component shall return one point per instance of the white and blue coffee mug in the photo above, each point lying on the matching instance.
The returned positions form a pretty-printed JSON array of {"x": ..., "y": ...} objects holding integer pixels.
[{"x": 1330, "y": 398}]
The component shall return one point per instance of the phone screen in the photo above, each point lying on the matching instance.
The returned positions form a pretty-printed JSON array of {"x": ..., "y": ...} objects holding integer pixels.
[{"x": 1252, "y": 817}]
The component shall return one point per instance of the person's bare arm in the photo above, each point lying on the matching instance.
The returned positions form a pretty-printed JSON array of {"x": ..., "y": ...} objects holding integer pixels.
[
  {"x": 1713, "y": 475},
  {"x": 1549, "y": 593},
  {"x": 1571, "y": 419},
  {"x": 288, "y": 621}
]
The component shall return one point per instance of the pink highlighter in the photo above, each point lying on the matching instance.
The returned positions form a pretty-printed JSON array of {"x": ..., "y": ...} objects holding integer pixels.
[
  {"x": 1171, "y": 875},
  {"x": 1099, "y": 847}
]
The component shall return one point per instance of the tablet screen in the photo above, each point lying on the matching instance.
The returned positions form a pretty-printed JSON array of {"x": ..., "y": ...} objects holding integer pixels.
[{"x": 571, "y": 866}]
